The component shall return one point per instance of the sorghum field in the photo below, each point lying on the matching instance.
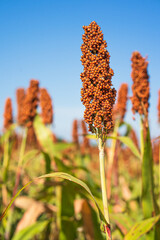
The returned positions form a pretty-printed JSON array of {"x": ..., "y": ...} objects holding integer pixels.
[{"x": 103, "y": 184}]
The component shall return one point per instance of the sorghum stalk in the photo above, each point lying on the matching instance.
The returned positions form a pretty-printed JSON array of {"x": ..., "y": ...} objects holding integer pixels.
[
  {"x": 103, "y": 179},
  {"x": 97, "y": 95}
]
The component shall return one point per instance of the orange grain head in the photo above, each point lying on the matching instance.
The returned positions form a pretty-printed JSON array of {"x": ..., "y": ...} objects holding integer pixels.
[
  {"x": 8, "y": 116},
  {"x": 140, "y": 86},
  {"x": 75, "y": 138},
  {"x": 31, "y": 102},
  {"x": 97, "y": 94},
  {"x": 20, "y": 96},
  {"x": 119, "y": 109},
  {"x": 46, "y": 106}
]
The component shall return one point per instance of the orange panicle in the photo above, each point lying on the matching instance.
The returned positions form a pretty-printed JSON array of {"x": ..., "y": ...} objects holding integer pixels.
[
  {"x": 97, "y": 94},
  {"x": 46, "y": 106},
  {"x": 140, "y": 87},
  {"x": 119, "y": 109}
]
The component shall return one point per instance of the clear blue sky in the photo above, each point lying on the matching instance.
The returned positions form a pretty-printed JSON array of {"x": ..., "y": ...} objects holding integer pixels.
[{"x": 42, "y": 39}]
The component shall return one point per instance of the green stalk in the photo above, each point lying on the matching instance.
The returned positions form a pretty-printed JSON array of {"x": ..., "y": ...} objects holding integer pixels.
[
  {"x": 159, "y": 168},
  {"x": 22, "y": 149},
  {"x": 141, "y": 137},
  {"x": 17, "y": 180},
  {"x": 103, "y": 184},
  {"x": 111, "y": 159},
  {"x": 6, "y": 157}
]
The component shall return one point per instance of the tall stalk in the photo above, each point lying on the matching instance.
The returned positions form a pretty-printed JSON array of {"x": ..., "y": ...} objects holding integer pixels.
[
  {"x": 141, "y": 138},
  {"x": 103, "y": 185}
]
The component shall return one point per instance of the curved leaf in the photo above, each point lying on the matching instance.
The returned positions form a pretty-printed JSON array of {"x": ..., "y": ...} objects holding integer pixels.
[
  {"x": 129, "y": 143},
  {"x": 141, "y": 228},
  {"x": 124, "y": 139},
  {"x": 81, "y": 183},
  {"x": 67, "y": 177}
]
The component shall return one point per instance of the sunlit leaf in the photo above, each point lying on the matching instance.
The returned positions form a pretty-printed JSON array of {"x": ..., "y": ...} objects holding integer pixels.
[
  {"x": 141, "y": 228},
  {"x": 67, "y": 177}
]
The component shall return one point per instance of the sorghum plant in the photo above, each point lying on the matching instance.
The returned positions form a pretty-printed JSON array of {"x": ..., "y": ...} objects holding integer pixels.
[
  {"x": 46, "y": 106},
  {"x": 97, "y": 94},
  {"x": 140, "y": 104},
  {"x": 8, "y": 117}
]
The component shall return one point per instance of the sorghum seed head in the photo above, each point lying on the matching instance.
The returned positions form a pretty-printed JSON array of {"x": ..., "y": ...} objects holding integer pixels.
[
  {"x": 119, "y": 109},
  {"x": 46, "y": 106},
  {"x": 75, "y": 132},
  {"x": 8, "y": 117},
  {"x": 140, "y": 87},
  {"x": 20, "y": 95},
  {"x": 31, "y": 102},
  {"x": 97, "y": 95}
]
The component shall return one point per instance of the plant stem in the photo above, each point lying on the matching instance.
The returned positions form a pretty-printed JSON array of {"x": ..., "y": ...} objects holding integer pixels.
[
  {"x": 111, "y": 159},
  {"x": 159, "y": 167},
  {"x": 141, "y": 137},
  {"x": 103, "y": 184},
  {"x": 23, "y": 146}
]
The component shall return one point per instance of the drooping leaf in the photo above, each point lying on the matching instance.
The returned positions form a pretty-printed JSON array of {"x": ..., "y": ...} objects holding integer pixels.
[
  {"x": 129, "y": 143},
  {"x": 124, "y": 139},
  {"x": 81, "y": 183},
  {"x": 141, "y": 228},
  {"x": 67, "y": 177}
]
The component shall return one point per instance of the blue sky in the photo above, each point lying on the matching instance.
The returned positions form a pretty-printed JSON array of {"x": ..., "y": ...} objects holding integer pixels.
[{"x": 42, "y": 39}]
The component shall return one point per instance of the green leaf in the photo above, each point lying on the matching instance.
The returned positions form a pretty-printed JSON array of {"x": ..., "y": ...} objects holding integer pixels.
[
  {"x": 141, "y": 228},
  {"x": 31, "y": 231},
  {"x": 29, "y": 155},
  {"x": 67, "y": 221},
  {"x": 148, "y": 198},
  {"x": 149, "y": 203},
  {"x": 44, "y": 136},
  {"x": 129, "y": 143},
  {"x": 67, "y": 177},
  {"x": 81, "y": 183},
  {"x": 123, "y": 221},
  {"x": 124, "y": 139}
]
